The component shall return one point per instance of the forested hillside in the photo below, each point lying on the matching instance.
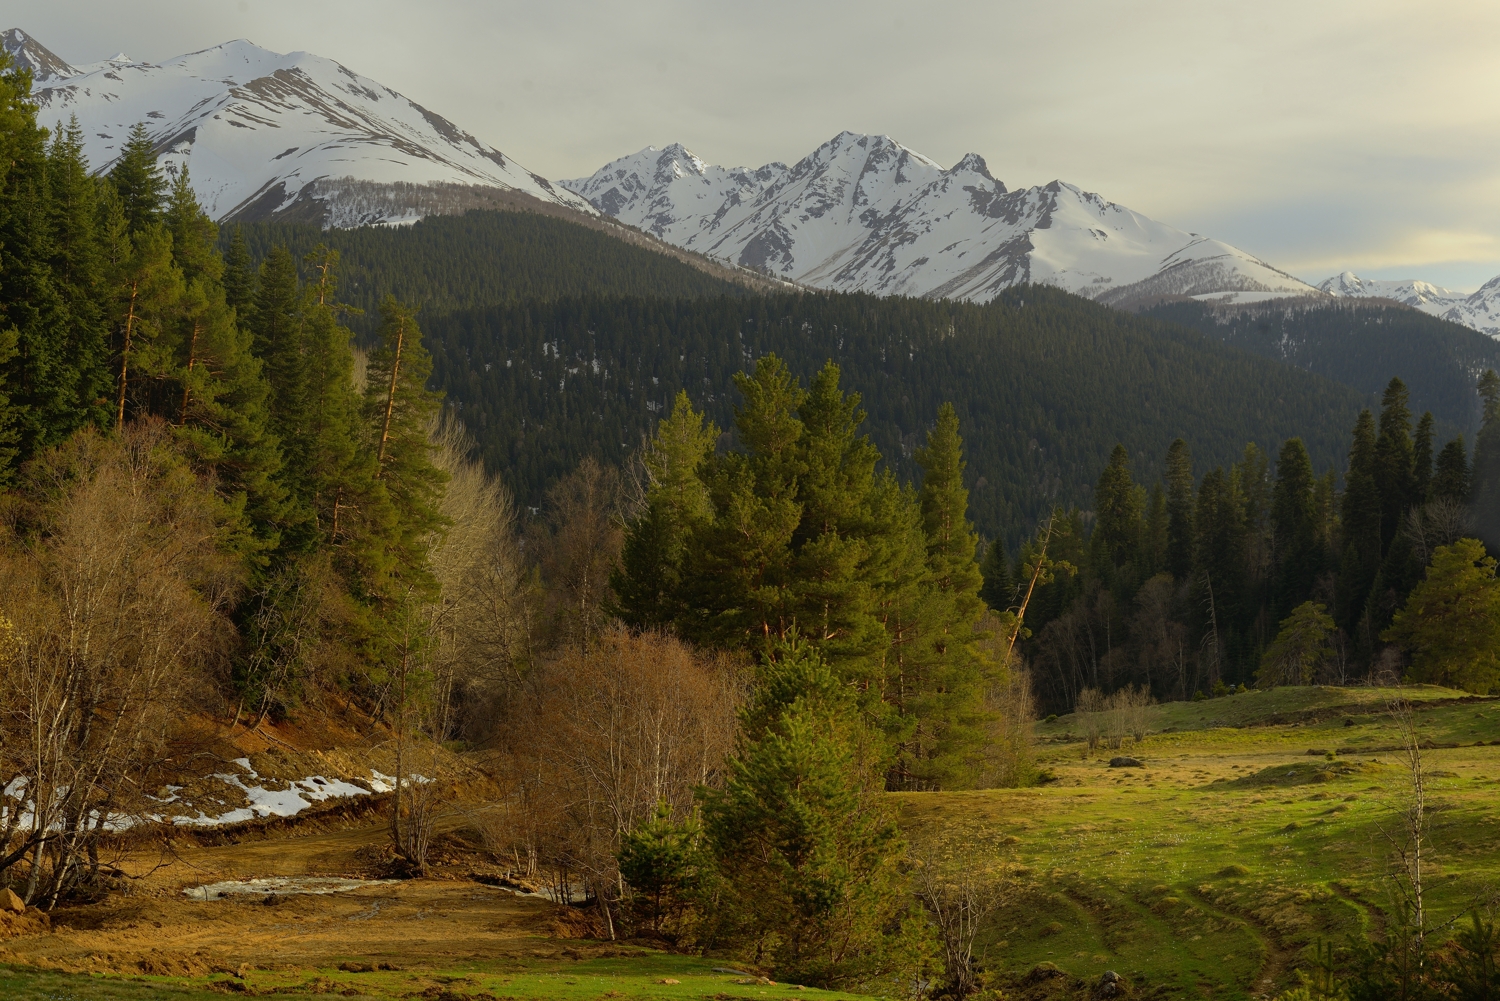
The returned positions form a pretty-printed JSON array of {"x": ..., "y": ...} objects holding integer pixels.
[
  {"x": 1263, "y": 572},
  {"x": 481, "y": 258},
  {"x": 1044, "y": 384},
  {"x": 1360, "y": 344}
]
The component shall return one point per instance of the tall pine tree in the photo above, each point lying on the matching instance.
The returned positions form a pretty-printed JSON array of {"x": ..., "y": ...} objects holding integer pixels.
[
  {"x": 1179, "y": 476},
  {"x": 1422, "y": 456},
  {"x": 1294, "y": 521},
  {"x": 1484, "y": 476},
  {"x": 138, "y": 179},
  {"x": 1450, "y": 482},
  {"x": 648, "y": 582},
  {"x": 1394, "y": 462},
  {"x": 951, "y": 704},
  {"x": 1361, "y": 512}
]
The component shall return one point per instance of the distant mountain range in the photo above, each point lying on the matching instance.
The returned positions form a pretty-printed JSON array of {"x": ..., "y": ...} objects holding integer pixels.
[
  {"x": 864, "y": 213},
  {"x": 298, "y": 137},
  {"x": 1480, "y": 311}
]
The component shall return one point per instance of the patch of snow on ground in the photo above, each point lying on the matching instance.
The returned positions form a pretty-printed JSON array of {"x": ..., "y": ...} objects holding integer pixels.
[
  {"x": 280, "y": 886},
  {"x": 296, "y": 797}
]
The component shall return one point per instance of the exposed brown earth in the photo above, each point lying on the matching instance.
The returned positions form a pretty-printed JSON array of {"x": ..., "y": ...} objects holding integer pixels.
[{"x": 154, "y": 928}]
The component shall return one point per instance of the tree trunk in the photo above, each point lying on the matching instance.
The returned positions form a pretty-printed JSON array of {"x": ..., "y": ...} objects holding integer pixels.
[
  {"x": 125, "y": 355},
  {"x": 390, "y": 399},
  {"x": 187, "y": 386}
]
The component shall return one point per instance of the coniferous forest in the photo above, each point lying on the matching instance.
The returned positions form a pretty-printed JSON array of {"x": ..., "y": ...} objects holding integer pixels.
[{"x": 701, "y": 574}]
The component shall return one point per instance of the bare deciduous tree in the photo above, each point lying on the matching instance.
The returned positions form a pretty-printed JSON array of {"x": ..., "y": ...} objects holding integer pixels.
[
  {"x": 576, "y": 546},
  {"x": 959, "y": 895},
  {"x": 596, "y": 737},
  {"x": 1089, "y": 711},
  {"x": 116, "y": 591},
  {"x": 1408, "y": 840}
]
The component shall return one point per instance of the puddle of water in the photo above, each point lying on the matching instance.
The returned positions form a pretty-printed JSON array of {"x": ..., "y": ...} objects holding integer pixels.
[{"x": 280, "y": 886}]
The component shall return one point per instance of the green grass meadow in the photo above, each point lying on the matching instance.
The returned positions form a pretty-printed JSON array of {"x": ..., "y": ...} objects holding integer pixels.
[{"x": 1256, "y": 827}]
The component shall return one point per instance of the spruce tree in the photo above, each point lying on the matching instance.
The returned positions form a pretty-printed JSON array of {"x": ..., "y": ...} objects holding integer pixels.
[
  {"x": 648, "y": 582},
  {"x": 1179, "y": 477},
  {"x": 1219, "y": 576},
  {"x": 1484, "y": 473},
  {"x": 148, "y": 290},
  {"x": 37, "y": 377},
  {"x": 240, "y": 278},
  {"x": 1361, "y": 512},
  {"x": 222, "y": 407},
  {"x": 138, "y": 179},
  {"x": 999, "y": 580},
  {"x": 1451, "y": 480},
  {"x": 222, "y": 415},
  {"x": 78, "y": 273},
  {"x": 952, "y": 705},
  {"x": 277, "y": 326},
  {"x": 400, "y": 411},
  {"x": 1154, "y": 534},
  {"x": 1256, "y": 488},
  {"x": 330, "y": 461},
  {"x": 739, "y": 566},
  {"x": 1294, "y": 522},
  {"x": 193, "y": 233},
  {"x": 808, "y": 855},
  {"x": 831, "y": 573},
  {"x": 1118, "y": 510},
  {"x": 1394, "y": 462},
  {"x": 1422, "y": 455}
]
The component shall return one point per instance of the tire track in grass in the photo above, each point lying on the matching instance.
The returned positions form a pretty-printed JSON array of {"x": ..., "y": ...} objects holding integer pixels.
[{"x": 1276, "y": 960}]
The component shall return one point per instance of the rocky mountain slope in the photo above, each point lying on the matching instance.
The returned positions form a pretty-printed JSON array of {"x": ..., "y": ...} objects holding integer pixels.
[
  {"x": 1479, "y": 311},
  {"x": 864, "y": 213},
  {"x": 296, "y": 135}
]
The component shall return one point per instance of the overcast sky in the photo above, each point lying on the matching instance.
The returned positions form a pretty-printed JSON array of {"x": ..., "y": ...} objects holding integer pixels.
[{"x": 1320, "y": 135}]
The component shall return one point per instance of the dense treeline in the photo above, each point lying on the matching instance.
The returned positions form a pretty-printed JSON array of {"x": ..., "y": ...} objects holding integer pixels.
[
  {"x": 1043, "y": 382},
  {"x": 1266, "y": 573},
  {"x": 1360, "y": 344},
  {"x": 796, "y": 533},
  {"x": 481, "y": 258}
]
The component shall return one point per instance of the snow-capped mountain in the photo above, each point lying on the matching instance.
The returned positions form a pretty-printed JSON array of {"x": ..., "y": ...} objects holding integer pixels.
[
  {"x": 1480, "y": 311},
  {"x": 864, "y": 213},
  {"x": 264, "y": 133}
]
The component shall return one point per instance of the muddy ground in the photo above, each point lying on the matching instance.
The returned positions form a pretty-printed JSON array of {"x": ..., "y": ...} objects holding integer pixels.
[{"x": 154, "y": 928}]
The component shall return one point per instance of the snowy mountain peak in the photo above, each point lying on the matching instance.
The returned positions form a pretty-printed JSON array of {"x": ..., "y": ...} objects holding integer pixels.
[
  {"x": 292, "y": 134},
  {"x": 30, "y": 54},
  {"x": 1408, "y": 291},
  {"x": 865, "y": 213},
  {"x": 1481, "y": 311},
  {"x": 972, "y": 163}
]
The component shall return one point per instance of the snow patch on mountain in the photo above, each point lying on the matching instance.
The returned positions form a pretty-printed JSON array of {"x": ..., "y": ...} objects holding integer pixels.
[
  {"x": 863, "y": 213},
  {"x": 1479, "y": 311},
  {"x": 263, "y": 132}
]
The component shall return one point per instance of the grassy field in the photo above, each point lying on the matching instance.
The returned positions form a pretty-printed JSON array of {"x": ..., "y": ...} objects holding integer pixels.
[
  {"x": 1253, "y": 829},
  {"x": 656, "y": 976}
]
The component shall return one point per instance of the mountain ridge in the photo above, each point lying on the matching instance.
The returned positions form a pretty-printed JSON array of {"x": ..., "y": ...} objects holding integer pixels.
[
  {"x": 864, "y": 213},
  {"x": 1479, "y": 310},
  {"x": 264, "y": 133}
]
